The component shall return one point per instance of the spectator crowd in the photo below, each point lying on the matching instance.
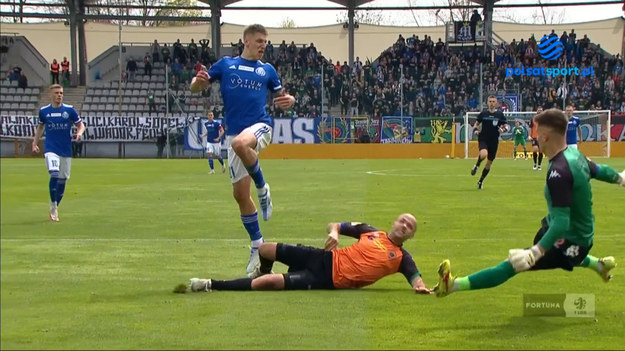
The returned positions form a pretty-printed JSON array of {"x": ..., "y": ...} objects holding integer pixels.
[{"x": 436, "y": 79}]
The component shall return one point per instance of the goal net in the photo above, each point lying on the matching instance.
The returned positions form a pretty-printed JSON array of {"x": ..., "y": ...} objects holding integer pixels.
[{"x": 595, "y": 127}]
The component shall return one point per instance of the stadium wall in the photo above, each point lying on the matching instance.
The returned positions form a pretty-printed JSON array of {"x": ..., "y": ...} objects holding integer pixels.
[{"x": 331, "y": 40}]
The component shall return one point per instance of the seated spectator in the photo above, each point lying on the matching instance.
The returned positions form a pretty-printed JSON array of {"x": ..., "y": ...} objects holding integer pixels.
[{"x": 15, "y": 73}]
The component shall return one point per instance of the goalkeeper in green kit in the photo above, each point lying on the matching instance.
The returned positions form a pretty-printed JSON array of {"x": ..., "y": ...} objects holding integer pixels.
[
  {"x": 519, "y": 138},
  {"x": 566, "y": 235}
]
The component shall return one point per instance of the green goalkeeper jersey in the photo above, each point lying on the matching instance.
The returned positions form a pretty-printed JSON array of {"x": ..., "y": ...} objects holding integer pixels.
[
  {"x": 519, "y": 133},
  {"x": 569, "y": 197}
]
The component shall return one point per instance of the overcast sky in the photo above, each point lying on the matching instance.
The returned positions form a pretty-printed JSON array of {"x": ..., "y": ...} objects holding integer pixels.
[{"x": 273, "y": 18}]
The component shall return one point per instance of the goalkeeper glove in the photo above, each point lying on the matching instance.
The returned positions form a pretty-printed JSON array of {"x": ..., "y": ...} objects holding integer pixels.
[{"x": 524, "y": 259}]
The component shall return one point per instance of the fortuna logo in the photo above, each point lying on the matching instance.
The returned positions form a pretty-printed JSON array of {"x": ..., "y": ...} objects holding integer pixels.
[{"x": 554, "y": 174}]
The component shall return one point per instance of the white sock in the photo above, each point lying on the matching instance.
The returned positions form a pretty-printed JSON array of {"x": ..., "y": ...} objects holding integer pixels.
[{"x": 256, "y": 243}]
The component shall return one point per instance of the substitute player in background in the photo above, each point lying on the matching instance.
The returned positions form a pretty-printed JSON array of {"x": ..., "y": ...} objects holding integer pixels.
[
  {"x": 567, "y": 233},
  {"x": 214, "y": 132},
  {"x": 493, "y": 122},
  {"x": 375, "y": 255},
  {"x": 245, "y": 82},
  {"x": 573, "y": 131},
  {"x": 57, "y": 120},
  {"x": 536, "y": 152},
  {"x": 519, "y": 138}
]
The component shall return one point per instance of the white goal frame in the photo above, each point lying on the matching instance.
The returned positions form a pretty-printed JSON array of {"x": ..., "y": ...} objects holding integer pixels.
[{"x": 468, "y": 129}]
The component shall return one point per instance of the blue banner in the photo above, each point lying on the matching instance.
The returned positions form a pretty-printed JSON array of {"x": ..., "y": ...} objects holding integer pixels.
[{"x": 396, "y": 130}]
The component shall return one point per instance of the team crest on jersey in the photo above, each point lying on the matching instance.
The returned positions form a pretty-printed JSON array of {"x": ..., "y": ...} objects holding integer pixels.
[
  {"x": 495, "y": 122},
  {"x": 65, "y": 115},
  {"x": 261, "y": 71},
  {"x": 392, "y": 254}
]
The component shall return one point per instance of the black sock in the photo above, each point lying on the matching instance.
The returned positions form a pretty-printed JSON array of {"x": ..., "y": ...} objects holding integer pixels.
[
  {"x": 265, "y": 265},
  {"x": 534, "y": 156},
  {"x": 479, "y": 161},
  {"x": 236, "y": 284},
  {"x": 484, "y": 173},
  {"x": 540, "y": 158}
]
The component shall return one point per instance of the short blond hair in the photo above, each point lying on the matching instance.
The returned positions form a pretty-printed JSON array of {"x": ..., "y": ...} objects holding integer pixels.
[
  {"x": 55, "y": 86},
  {"x": 253, "y": 29}
]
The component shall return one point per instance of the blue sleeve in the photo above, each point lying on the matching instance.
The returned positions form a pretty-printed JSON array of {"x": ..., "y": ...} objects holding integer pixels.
[
  {"x": 216, "y": 70},
  {"x": 42, "y": 117},
  {"x": 355, "y": 229},
  {"x": 75, "y": 117},
  {"x": 274, "y": 81}
]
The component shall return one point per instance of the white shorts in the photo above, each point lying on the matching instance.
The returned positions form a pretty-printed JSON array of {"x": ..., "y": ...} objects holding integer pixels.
[
  {"x": 55, "y": 163},
  {"x": 214, "y": 148},
  {"x": 572, "y": 146},
  {"x": 263, "y": 133}
]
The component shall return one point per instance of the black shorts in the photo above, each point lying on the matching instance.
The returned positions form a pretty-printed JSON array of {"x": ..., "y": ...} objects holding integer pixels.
[
  {"x": 564, "y": 254},
  {"x": 309, "y": 267},
  {"x": 535, "y": 142},
  {"x": 491, "y": 146}
]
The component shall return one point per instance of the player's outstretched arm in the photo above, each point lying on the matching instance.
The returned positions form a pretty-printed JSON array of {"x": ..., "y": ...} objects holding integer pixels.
[
  {"x": 332, "y": 242},
  {"x": 606, "y": 173},
  {"x": 419, "y": 286}
]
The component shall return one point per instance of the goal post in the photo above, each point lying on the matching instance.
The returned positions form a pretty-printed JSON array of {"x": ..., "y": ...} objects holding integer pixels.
[{"x": 595, "y": 127}]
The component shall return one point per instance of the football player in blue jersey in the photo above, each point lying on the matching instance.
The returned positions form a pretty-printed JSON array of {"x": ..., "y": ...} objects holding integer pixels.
[
  {"x": 245, "y": 82},
  {"x": 214, "y": 132},
  {"x": 57, "y": 120},
  {"x": 573, "y": 129}
]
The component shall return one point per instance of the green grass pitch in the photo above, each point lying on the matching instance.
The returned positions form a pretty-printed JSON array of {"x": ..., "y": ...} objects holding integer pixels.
[{"x": 131, "y": 230}]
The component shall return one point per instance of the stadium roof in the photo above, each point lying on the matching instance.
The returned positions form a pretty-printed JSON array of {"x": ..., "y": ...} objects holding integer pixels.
[{"x": 345, "y": 3}]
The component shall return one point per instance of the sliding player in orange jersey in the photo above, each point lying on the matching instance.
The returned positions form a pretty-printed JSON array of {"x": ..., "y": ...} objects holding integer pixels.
[{"x": 375, "y": 255}]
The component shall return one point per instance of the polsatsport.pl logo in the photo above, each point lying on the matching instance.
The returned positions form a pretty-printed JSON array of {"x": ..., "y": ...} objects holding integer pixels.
[{"x": 550, "y": 48}]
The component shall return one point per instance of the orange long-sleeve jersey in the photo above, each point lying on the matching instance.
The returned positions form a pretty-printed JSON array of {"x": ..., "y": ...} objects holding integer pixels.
[
  {"x": 370, "y": 259},
  {"x": 534, "y": 129}
]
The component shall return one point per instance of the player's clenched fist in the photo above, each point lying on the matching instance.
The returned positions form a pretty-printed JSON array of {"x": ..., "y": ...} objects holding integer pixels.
[
  {"x": 284, "y": 102},
  {"x": 200, "y": 81}
]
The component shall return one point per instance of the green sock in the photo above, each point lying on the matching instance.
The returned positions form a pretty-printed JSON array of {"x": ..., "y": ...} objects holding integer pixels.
[
  {"x": 591, "y": 262},
  {"x": 490, "y": 277}
]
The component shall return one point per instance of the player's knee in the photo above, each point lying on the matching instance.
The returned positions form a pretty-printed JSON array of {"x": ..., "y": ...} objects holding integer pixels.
[
  {"x": 210, "y": 155},
  {"x": 62, "y": 180},
  {"x": 268, "y": 251},
  {"x": 268, "y": 282},
  {"x": 54, "y": 174},
  {"x": 238, "y": 145}
]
